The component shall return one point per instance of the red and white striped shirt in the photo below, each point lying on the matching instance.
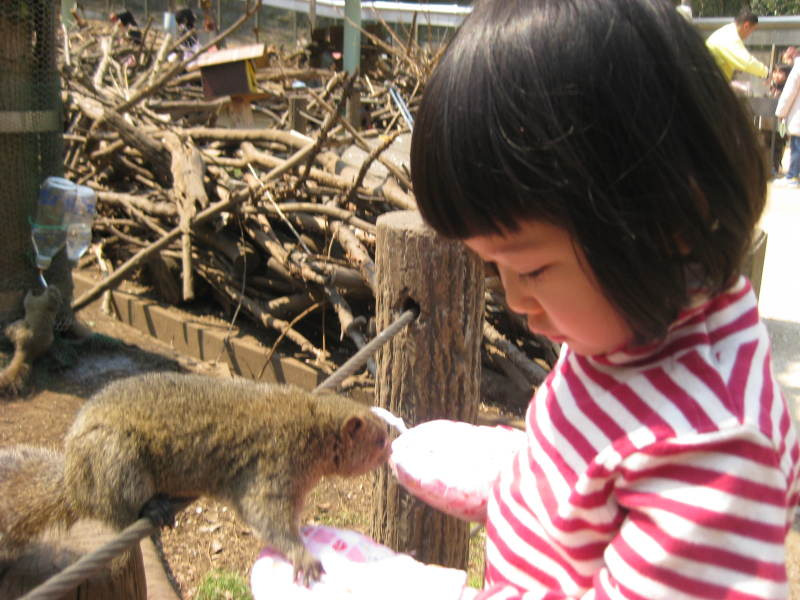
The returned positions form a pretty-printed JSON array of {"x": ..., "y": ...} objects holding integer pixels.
[{"x": 665, "y": 472}]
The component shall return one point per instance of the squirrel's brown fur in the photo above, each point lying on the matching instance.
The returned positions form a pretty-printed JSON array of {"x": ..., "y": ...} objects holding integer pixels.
[
  {"x": 256, "y": 447},
  {"x": 32, "y": 336}
]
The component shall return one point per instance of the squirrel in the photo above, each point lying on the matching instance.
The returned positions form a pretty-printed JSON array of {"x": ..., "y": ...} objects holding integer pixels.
[
  {"x": 32, "y": 336},
  {"x": 257, "y": 447}
]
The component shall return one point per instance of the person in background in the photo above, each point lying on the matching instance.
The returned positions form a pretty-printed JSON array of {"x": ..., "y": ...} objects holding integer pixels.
[
  {"x": 685, "y": 9},
  {"x": 727, "y": 47},
  {"x": 774, "y": 138},
  {"x": 789, "y": 109},
  {"x": 127, "y": 21},
  {"x": 185, "y": 20}
]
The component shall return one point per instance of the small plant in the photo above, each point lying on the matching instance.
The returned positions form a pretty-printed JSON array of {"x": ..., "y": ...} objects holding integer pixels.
[
  {"x": 477, "y": 558},
  {"x": 223, "y": 585}
]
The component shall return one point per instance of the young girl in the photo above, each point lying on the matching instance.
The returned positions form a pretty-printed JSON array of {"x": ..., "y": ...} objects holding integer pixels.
[{"x": 593, "y": 151}]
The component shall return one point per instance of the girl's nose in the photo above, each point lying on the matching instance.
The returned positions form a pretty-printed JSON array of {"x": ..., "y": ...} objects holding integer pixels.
[
  {"x": 523, "y": 305},
  {"x": 518, "y": 298}
]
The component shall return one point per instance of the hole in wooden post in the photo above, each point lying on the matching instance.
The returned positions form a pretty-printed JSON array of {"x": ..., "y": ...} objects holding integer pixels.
[{"x": 410, "y": 304}]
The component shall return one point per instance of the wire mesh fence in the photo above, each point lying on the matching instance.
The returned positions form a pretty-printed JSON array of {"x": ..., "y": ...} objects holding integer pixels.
[
  {"x": 275, "y": 25},
  {"x": 270, "y": 24},
  {"x": 30, "y": 143}
]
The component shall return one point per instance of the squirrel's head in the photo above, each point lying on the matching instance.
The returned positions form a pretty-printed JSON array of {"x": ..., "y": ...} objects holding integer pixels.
[{"x": 363, "y": 444}]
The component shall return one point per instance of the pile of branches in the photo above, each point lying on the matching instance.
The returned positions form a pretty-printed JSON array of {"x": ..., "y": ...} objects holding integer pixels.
[{"x": 261, "y": 221}]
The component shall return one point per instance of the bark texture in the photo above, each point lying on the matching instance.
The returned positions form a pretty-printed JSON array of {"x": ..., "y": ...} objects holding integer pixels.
[{"x": 430, "y": 370}]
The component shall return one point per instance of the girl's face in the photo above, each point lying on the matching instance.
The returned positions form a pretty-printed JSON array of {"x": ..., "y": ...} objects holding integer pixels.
[{"x": 547, "y": 279}]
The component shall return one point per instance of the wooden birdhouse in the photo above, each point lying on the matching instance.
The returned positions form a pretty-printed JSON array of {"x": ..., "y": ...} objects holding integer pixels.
[{"x": 231, "y": 72}]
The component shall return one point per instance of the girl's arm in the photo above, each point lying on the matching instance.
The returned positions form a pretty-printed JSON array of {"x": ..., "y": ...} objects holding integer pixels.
[{"x": 707, "y": 519}]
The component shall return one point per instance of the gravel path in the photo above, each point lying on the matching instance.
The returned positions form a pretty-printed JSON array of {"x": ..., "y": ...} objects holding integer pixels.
[{"x": 779, "y": 304}]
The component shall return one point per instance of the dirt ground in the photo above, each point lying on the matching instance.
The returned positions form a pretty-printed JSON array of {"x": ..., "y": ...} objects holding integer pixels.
[{"x": 207, "y": 535}]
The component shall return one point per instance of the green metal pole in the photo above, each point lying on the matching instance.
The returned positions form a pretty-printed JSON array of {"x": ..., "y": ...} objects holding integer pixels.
[
  {"x": 66, "y": 16},
  {"x": 352, "y": 35}
]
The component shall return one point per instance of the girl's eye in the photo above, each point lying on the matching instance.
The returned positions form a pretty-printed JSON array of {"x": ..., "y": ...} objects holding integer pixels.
[{"x": 532, "y": 275}]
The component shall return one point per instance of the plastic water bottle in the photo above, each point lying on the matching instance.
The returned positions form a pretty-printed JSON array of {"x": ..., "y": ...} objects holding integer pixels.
[
  {"x": 47, "y": 231},
  {"x": 78, "y": 219},
  {"x": 79, "y": 237}
]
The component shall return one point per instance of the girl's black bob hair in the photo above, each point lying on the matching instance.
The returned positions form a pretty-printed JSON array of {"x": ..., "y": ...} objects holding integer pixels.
[{"x": 608, "y": 118}]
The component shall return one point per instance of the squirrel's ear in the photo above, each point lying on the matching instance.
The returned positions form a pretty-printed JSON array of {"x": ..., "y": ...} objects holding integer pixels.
[{"x": 352, "y": 426}]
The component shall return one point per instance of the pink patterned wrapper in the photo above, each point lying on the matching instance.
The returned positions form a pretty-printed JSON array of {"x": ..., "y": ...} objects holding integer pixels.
[{"x": 356, "y": 568}]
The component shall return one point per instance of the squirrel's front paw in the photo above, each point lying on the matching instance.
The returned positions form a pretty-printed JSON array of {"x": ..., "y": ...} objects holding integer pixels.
[
  {"x": 307, "y": 569},
  {"x": 160, "y": 511}
]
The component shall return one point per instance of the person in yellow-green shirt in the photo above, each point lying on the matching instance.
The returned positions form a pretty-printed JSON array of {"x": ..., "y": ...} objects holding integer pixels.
[{"x": 727, "y": 46}]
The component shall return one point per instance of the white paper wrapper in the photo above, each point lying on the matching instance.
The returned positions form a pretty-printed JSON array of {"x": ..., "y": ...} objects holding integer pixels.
[
  {"x": 356, "y": 568},
  {"x": 452, "y": 465}
]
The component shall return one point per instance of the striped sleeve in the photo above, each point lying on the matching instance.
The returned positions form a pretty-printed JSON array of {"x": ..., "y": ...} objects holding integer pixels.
[{"x": 705, "y": 518}]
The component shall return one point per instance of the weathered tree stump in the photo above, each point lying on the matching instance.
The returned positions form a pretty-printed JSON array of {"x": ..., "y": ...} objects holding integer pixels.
[
  {"x": 430, "y": 370},
  {"x": 122, "y": 579}
]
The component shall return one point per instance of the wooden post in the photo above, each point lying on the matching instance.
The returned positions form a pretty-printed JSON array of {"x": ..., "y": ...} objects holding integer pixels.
[
  {"x": 239, "y": 113},
  {"x": 430, "y": 370},
  {"x": 354, "y": 112},
  {"x": 297, "y": 121},
  {"x": 124, "y": 577},
  {"x": 312, "y": 15}
]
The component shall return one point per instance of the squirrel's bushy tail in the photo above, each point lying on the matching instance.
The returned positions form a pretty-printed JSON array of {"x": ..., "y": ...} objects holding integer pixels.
[
  {"x": 13, "y": 376},
  {"x": 32, "y": 336},
  {"x": 32, "y": 496}
]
